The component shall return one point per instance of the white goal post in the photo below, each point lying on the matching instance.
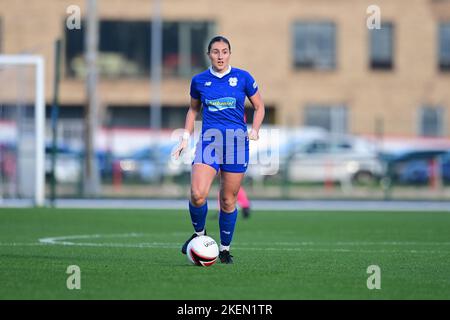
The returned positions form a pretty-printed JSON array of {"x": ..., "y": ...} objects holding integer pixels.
[{"x": 39, "y": 103}]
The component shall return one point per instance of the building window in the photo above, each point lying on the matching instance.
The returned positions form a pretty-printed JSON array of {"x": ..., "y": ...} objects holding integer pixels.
[
  {"x": 381, "y": 47},
  {"x": 184, "y": 47},
  {"x": 269, "y": 117},
  {"x": 16, "y": 112},
  {"x": 173, "y": 117},
  {"x": 124, "y": 48},
  {"x": 444, "y": 46},
  {"x": 66, "y": 112},
  {"x": 128, "y": 116},
  {"x": 431, "y": 121},
  {"x": 314, "y": 45},
  {"x": 333, "y": 118}
]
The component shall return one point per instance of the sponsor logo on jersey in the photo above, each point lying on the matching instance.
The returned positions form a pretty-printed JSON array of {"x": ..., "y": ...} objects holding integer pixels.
[
  {"x": 221, "y": 104},
  {"x": 207, "y": 83}
]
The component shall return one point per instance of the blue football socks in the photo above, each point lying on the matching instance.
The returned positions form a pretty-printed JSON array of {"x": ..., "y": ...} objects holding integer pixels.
[
  {"x": 227, "y": 221},
  {"x": 198, "y": 216}
]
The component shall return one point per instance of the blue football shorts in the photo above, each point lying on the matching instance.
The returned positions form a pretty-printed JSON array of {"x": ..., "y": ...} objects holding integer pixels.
[{"x": 225, "y": 156}]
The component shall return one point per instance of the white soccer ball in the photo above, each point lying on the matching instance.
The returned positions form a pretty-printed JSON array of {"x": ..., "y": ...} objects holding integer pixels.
[{"x": 202, "y": 251}]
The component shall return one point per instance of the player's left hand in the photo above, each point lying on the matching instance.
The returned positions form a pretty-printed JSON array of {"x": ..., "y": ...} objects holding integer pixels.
[{"x": 253, "y": 135}]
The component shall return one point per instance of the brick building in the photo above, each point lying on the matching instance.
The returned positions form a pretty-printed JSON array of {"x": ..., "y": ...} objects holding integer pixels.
[{"x": 316, "y": 61}]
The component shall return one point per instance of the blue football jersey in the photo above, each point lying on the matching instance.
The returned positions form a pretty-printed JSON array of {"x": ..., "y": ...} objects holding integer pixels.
[{"x": 223, "y": 98}]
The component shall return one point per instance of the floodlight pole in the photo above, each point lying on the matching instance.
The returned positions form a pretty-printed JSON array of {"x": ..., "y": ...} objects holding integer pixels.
[
  {"x": 91, "y": 175},
  {"x": 55, "y": 113},
  {"x": 155, "y": 66}
]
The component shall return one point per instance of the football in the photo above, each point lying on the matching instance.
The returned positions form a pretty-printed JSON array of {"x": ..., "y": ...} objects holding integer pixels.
[{"x": 202, "y": 251}]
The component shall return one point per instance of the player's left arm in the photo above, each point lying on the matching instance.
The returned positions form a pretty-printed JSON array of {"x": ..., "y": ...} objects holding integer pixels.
[{"x": 258, "y": 116}]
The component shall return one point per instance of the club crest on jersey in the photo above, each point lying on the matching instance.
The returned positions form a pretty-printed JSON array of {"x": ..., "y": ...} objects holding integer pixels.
[{"x": 233, "y": 81}]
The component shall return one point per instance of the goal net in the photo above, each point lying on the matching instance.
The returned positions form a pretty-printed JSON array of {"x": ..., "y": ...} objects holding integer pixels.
[{"x": 22, "y": 128}]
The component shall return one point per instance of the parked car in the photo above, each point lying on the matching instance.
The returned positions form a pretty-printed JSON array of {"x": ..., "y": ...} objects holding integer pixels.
[
  {"x": 445, "y": 169},
  {"x": 334, "y": 158},
  {"x": 150, "y": 164},
  {"x": 68, "y": 166},
  {"x": 414, "y": 167},
  {"x": 269, "y": 155},
  {"x": 8, "y": 161}
]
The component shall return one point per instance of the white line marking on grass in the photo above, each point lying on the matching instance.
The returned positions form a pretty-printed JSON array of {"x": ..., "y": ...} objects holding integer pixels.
[
  {"x": 62, "y": 241},
  {"x": 362, "y": 243},
  {"x": 306, "y": 246},
  {"x": 21, "y": 244},
  {"x": 342, "y": 250},
  {"x": 159, "y": 245},
  {"x": 120, "y": 245},
  {"x": 57, "y": 240}
]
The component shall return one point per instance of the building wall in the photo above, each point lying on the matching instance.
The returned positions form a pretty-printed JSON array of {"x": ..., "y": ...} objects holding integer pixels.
[{"x": 261, "y": 35}]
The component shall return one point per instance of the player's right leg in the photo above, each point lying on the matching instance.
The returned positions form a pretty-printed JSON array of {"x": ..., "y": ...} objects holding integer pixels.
[{"x": 201, "y": 179}]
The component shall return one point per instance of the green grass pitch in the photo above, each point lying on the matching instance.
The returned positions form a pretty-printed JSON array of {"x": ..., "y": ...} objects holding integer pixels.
[{"x": 135, "y": 254}]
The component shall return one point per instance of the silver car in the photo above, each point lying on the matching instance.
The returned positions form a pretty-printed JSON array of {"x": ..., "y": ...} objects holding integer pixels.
[{"x": 341, "y": 159}]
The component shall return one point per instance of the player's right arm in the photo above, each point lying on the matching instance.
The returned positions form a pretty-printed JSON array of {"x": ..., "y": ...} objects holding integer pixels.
[{"x": 191, "y": 115}]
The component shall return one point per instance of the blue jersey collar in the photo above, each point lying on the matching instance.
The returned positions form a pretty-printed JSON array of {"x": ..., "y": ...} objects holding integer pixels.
[{"x": 219, "y": 75}]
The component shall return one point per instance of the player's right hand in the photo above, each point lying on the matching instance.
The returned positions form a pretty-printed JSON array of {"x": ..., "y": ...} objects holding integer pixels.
[
  {"x": 179, "y": 149},
  {"x": 253, "y": 134}
]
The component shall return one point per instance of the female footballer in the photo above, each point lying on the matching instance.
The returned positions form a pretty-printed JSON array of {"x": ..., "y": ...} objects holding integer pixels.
[{"x": 224, "y": 142}]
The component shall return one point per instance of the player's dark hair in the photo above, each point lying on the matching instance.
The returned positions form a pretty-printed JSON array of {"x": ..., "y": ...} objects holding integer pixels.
[{"x": 219, "y": 39}]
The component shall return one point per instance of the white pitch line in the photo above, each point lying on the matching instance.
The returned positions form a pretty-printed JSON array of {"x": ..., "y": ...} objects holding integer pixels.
[
  {"x": 260, "y": 246},
  {"x": 363, "y": 243},
  {"x": 52, "y": 240},
  {"x": 156, "y": 245},
  {"x": 21, "y": 244},
  {"x": 60, "y": 239}
]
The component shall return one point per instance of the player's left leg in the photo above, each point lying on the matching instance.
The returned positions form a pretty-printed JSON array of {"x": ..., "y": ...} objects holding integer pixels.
[{"x": 230, "y": 183}]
